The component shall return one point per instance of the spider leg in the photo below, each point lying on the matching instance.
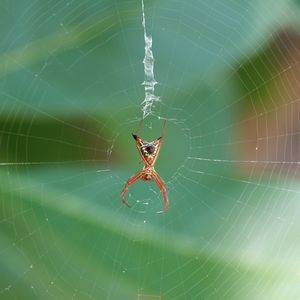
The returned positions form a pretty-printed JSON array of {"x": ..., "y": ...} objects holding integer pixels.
[
  {"x": 139, "y": 127},
  {"x": 164, "y": 129},
  {"x": 162, "y": 186},
  {"x": 129, "y": 182}
]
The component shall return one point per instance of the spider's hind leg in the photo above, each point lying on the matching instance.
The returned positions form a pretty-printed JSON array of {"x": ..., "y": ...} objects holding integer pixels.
[
  {"x": 131, "y": 181},
  {"x": 162, "y": 186}
]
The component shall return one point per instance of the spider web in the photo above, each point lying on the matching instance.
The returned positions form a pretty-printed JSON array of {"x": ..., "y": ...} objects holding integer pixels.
[{"x": 71, "y": 89}]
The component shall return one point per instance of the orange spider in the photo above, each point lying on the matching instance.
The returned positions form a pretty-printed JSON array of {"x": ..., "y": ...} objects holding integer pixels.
[{"x": 149, "y": 152}]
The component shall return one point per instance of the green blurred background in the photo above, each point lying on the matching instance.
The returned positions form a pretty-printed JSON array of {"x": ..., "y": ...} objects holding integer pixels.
[{"x": 71, "y": 90}]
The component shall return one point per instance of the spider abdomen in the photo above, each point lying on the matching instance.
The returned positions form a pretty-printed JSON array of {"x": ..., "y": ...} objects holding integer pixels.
[{"x": 150, "y": 149}]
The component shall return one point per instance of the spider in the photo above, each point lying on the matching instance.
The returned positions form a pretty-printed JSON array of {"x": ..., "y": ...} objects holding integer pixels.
[{"x": 149, "y": 152}]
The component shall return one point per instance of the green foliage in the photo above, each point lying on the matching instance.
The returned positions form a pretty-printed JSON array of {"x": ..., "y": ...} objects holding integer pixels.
[{"x": 70, "y": 90}]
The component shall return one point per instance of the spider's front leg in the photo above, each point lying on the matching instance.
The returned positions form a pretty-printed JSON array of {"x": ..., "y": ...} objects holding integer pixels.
[{"x": 131, "y": 181}]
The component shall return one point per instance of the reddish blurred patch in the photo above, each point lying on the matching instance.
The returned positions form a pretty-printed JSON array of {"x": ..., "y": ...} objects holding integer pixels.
[{"x": 270, "y": 119}]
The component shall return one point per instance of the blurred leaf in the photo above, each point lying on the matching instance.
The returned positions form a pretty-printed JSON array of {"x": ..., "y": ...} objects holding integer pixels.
[
  {"x": 52, "y": 138},
  {"x": 257, "y": 74},
  {"x": 264, "y": 76},
  {"x": 87, "y": 242},
  {"x": 48, "y": 139},
  {"x": 230, "y": 234},
  {"x": 88, "y": 57},
  {"x": 204, "y": 36},
  {"x": 227, "y": 235}
]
